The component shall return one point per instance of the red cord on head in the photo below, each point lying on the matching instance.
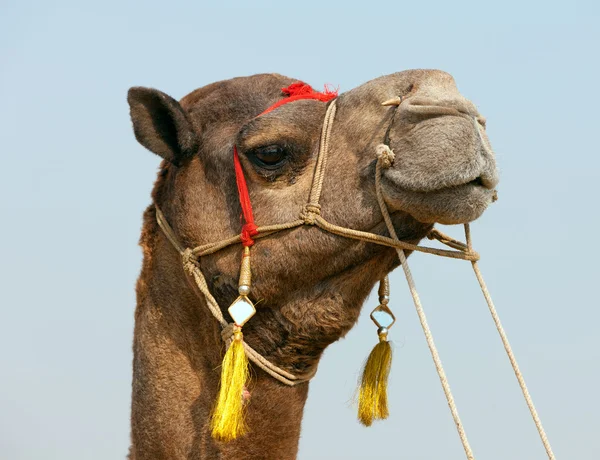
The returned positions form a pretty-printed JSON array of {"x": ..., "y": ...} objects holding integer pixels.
[
  {"x": 297, "y": 88},
  {"x": 298, "y": 91},
  {"x": 294, "y": 92},
  {"x": 249, "y": 227}
]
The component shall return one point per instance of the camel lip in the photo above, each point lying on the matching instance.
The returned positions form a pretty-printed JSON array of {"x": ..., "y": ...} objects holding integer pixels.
[
  {"x": 484, "y": 175},
  {"x": 477, "y": 185},
  {"x": 480, "y": 180},
  {"x": 483, "y": 181},
  {"x": 449, "y": 205}
]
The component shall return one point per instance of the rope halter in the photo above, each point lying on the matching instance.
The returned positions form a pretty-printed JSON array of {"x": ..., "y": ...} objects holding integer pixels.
[{"x": 228, "y": 422}]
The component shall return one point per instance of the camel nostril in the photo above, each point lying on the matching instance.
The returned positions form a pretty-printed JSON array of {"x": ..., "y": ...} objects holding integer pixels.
[
  {"x": 434, "y": 107},
  {"x": 431, "y": 108},
  {"x": 478, "y": 181}
]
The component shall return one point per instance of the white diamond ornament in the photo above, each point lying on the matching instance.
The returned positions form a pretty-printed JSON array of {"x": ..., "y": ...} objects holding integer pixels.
[
  {"x": 241, "y": 310},
  {"x": 382, "y": 316}
]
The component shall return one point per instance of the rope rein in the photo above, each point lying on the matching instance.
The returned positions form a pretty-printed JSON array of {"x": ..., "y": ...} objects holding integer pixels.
[
  {"x": 311, "y": 215},
  {"x": 386, "y": 162}
]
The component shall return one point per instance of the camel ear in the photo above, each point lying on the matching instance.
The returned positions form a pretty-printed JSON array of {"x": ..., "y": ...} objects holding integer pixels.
[{"x": 161, "y": 125}]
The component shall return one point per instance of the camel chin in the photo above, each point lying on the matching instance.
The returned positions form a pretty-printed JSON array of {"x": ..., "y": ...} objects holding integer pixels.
[{"x": 452, "y": 205}]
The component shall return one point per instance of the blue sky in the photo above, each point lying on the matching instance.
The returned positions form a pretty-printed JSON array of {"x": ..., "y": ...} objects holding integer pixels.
[{"x": 76, "y": 183}]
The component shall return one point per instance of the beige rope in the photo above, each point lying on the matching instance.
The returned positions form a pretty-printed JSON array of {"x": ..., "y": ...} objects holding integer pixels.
[
  {"x": 509, "y": 352},
  {"x": 264, "y": 231},
  {"x": 421, "y": 313},
  {"x": 166, "y": 228},
  {"x": 500, "y": 328},
  {"x": 447, "y": 240},
  {"x": 190, "y": 266},
  {"x": 317, "y": 186},
  {"x": 390, "y": 242}
]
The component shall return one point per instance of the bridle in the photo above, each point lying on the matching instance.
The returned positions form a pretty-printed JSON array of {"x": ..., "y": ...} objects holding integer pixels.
[{"x": 310, "y": 215}]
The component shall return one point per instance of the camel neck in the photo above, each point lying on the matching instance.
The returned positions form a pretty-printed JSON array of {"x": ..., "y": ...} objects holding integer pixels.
[{"x": 178, "y": 350}]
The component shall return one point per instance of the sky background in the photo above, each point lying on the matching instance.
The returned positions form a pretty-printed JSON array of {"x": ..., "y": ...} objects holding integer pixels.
[{"x": 75, "y": 185}]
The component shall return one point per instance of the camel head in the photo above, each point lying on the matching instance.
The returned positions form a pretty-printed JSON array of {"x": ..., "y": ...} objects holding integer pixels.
[
  {"x": 309, "y": 284},
  {"x": 444, "y": 170}
]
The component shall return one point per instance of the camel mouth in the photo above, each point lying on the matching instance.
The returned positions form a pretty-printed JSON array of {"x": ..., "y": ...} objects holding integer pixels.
[
  {"x": 477, "y": 185},
  {"x": 456, "y": 204},
  {"x": 476, "y": 181},
  {"x": 478, "y": 172},
  {"x": 484, "y": 181},
  {"x": 479, "y": 181}
]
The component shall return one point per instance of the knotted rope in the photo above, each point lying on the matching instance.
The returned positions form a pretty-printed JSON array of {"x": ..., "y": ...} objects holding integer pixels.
[{"x": 311, "y": 215}]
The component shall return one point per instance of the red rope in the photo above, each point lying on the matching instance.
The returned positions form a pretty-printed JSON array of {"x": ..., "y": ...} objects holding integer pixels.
[
  {"x": 294, "y": 92},
  {"x": 249, "y": 227},
  {"x": 298, "y": 91}
]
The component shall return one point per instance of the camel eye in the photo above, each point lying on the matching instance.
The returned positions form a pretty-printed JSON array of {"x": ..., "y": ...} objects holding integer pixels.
[{"x": 269, "y": 157}]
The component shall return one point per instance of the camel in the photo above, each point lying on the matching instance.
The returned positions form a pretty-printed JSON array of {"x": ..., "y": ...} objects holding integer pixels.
[{"x": 308, "y": 285}]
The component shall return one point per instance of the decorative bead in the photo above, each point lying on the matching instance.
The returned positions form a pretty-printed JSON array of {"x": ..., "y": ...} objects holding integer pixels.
[
  {"x": 244, "y": 289},
  {"x": 383, "y": 317},
  {"x": 241, "y": 310},
  {"x": 245, "y": 272}
]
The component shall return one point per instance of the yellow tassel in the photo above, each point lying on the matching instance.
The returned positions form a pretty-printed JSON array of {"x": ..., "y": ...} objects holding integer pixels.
[
  {"x": 372, "y": 397},
  {"x": 228, "y": 422}
]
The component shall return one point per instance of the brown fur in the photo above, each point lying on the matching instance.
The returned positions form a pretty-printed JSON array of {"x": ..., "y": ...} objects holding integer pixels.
[{"x": 309, "y": 285}]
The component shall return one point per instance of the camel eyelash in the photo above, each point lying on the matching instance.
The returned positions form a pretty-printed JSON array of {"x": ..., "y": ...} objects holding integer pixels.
[{"x": 270, "y": 157}]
